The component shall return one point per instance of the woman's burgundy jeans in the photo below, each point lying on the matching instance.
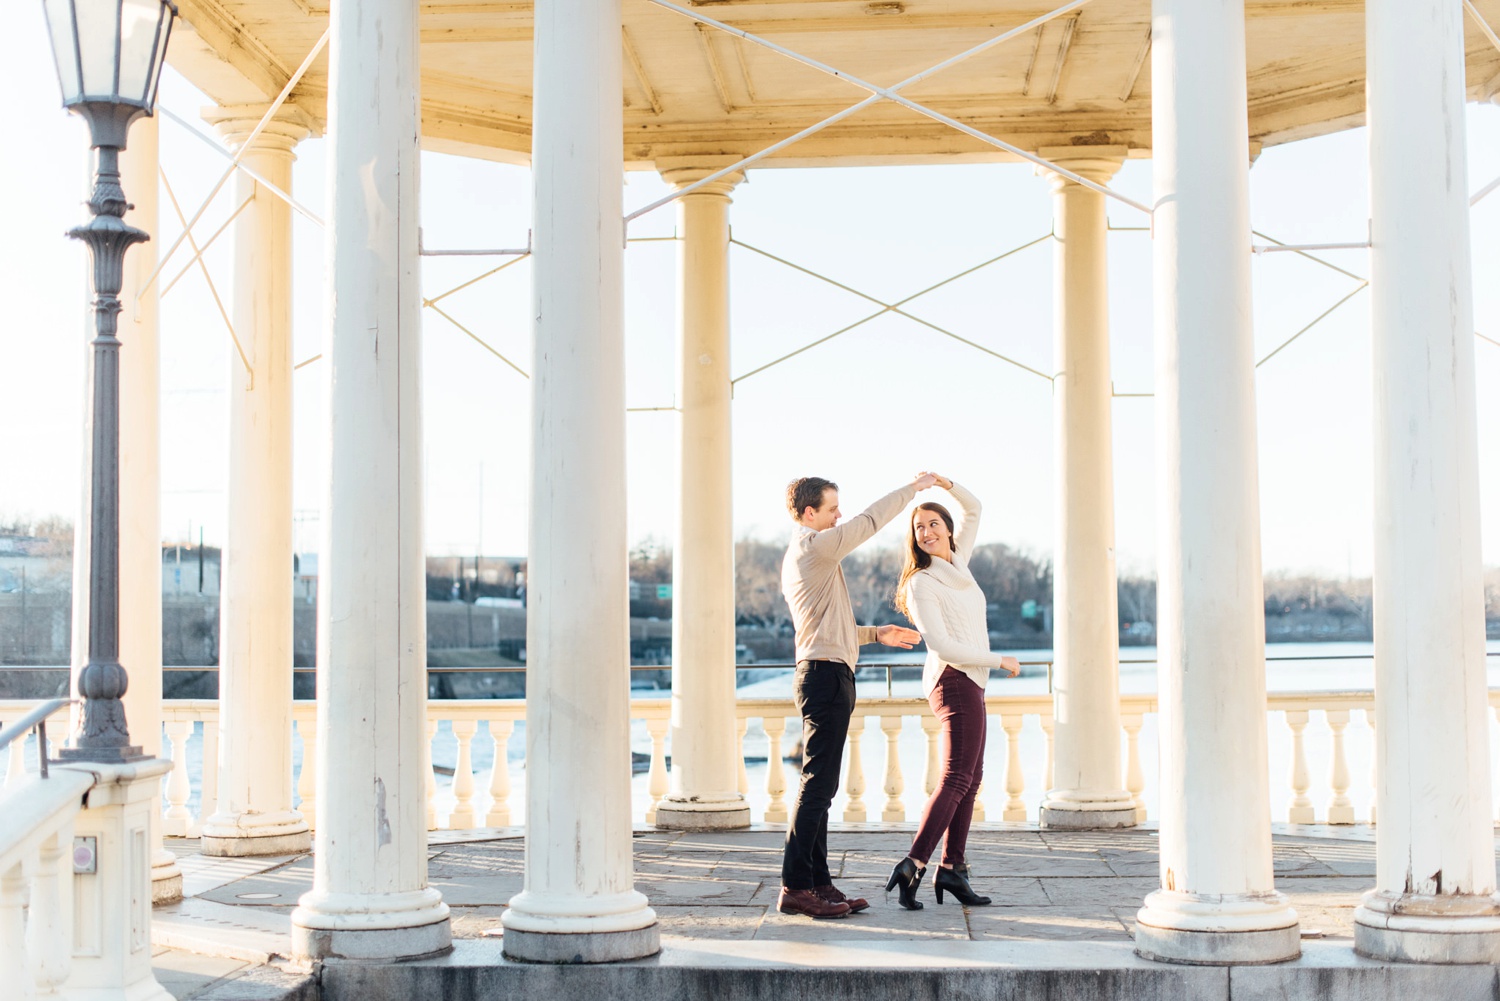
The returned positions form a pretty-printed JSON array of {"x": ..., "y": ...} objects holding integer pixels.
[{"x": 958, "y": 704}]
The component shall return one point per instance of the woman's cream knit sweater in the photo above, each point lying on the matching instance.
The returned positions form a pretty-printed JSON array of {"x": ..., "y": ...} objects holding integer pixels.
[{"x": 948, "y": 608}]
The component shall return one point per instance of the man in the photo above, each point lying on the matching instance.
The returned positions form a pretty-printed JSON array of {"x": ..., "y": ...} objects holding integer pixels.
[{"x": 828, "y": 644}]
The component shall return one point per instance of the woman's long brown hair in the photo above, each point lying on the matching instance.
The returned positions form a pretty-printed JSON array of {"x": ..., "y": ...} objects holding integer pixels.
[{"x": 916, "y": 558}]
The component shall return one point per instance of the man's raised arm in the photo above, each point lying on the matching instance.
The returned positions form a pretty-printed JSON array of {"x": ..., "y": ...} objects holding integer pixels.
[{"x": 841, "y": 540}]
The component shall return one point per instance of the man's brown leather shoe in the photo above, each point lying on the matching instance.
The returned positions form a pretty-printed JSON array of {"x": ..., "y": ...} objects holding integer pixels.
[
  {"x": 808, "y": 902},
  {"x": 834, "y": 895}
]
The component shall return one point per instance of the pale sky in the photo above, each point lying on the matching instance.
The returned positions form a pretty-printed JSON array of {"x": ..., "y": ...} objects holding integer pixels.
[{"x": 868, "y": 409}]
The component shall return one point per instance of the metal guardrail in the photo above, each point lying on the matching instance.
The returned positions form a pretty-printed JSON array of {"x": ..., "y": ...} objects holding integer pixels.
[{"x": 35, "y": 720}]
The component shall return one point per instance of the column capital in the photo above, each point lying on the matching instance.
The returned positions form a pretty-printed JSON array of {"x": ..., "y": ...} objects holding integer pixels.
[
  {"x": 1097, "y": 163},
  {"x": 682, "y": 171},
  {"x": 289, "y": 126}
]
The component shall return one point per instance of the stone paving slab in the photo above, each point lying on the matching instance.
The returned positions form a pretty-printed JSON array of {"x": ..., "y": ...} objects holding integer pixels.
[{"x": 1063, "y": 893}]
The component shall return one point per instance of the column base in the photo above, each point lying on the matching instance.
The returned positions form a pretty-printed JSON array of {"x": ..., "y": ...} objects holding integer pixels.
[
  {"x": 1417, "y": 928},
  {"x": 582, "y": 947},
  {"x": 1063, "y": 812},
  {"x": 166, "y": 878},
  {"x": 229, "y": 835},
  {"x": 383, "y": 926},
  {"x": 703, "y": 814},
  {"x": 1238, "y": 930},
  {"x": 559, "y": 928}
]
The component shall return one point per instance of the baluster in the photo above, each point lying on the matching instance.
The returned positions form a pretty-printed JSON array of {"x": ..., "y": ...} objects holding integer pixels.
[
  {"x": 178, "y": 820},
  {"x": 208, "y": 800},
  {"x": 499, "y": 815},
  {"x": 1047, "y": 727},
  {"x": 894, "y": 810},
  {"x": 854, "y": 810},
  {"x": 1135, "y": 778},
  {"x": 13, "y": 959},
  {"x": 462, "y": 817},
  {"x": 1015, "y": 780},
  {"x": 1374, "y": 765},
  {"x": 431, "y": 784},
  {"x": 741, "y": 727},
  {"x": 49, "y": 942},
  {"x": 656, "y": 779},
  {"x": 307, "y": 780},
  {"x": 932, "y": 727},
  {"x": 775, "y": 727},
  {"x": 1340, "y": 809},
  {"x": 1301, "y": 811}
]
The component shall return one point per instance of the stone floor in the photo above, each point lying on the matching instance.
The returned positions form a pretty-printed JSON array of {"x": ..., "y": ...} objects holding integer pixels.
[{"x": 229, "y": 937}]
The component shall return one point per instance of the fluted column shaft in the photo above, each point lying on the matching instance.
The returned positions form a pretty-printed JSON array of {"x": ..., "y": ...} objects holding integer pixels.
[
  {"x": 705, "y": 770},
  {"x": 1217, "y": 902},
  {"x": 1434, "y": 899},
  {"x": 370, "y": 897},
  {"x": 254, "y": 814},
  {"x": 1088, "y": 790}
]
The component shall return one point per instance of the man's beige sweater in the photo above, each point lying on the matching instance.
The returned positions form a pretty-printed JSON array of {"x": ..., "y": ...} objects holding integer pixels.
[{"x": 813, "y": 582}]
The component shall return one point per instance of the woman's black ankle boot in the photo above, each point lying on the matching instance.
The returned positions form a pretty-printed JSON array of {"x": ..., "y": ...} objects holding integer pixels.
[
  {"x": 956, "y": 884},
  {"x": 908, "y": 877}
]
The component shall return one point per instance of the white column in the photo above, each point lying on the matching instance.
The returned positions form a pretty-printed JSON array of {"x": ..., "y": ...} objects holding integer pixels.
[
  {"x": 370, "y": 897},
  {"x": 1217, "y": 902},
  {"x": 705, "y": 763},
  {"x": 140, "y": 488},
  {"x": 254, "y": 814},
  {"x": 579, "y": 903},
  {"x": 1087, "y": 787},
  {"x": 1434, "y": 899}
]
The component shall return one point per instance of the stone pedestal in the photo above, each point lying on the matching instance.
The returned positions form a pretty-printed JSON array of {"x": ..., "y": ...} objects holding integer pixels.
[{"x": 112, "y": 906}]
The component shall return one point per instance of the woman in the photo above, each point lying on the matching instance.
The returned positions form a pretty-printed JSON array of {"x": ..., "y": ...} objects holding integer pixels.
[{"x": 940, "y": 597}]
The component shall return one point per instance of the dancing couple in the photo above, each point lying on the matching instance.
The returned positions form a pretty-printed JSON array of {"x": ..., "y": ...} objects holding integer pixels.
[{"x": 938, "y": 594}]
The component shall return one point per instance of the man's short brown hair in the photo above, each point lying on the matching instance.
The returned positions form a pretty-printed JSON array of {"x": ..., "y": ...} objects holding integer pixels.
[{"x": 806, "y": 492}]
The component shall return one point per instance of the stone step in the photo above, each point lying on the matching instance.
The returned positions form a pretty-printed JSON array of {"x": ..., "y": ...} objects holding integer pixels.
[{"x": 906, "y": 970}]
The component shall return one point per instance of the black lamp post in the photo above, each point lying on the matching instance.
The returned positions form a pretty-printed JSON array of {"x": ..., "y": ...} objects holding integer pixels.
[{"x": 109, "y": 57}]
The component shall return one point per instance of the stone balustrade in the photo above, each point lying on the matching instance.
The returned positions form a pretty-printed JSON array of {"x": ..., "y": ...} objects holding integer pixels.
[
  {"x": 36, "y": 884},
  {"x": 473, "y": 733}
]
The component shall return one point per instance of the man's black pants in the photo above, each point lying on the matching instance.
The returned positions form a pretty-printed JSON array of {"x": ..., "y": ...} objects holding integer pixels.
[{"x": 824, "y": 690}]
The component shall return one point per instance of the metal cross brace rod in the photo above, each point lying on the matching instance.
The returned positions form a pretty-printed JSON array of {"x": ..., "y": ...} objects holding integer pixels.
[
  {"x": 475, "y": 281},
  {"x": 1300, "y": 252},
  {"x": 891, "y": 307},
  {"x": 248, "y": 170},
  {"x": 883, "y": 93},
  {"x": 167, "y": 185},
  {"x": 245, "y": 147},
  {"x": 200, "y": 251},
  {"x": 1317, "y": 320},
  {"x": 1482, "y": 192},
  {"x": 1297, "y": 248},
  {"x": 432, "y": 305}
]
